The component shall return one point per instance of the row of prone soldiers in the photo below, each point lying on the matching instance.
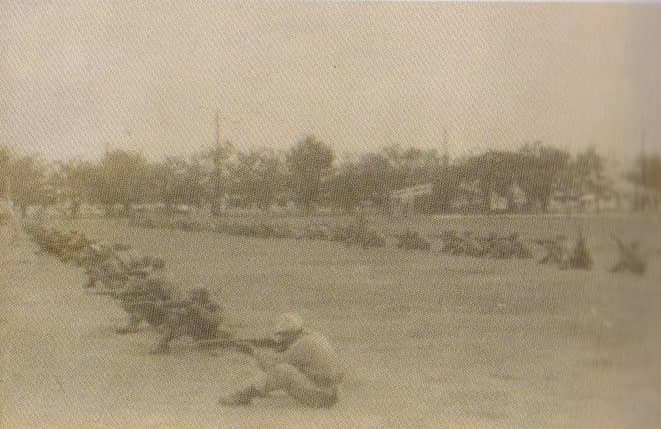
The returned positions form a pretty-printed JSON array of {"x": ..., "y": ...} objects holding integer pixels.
[
  {"x": 296, "y": 360},
  {"x": 491, "y": 245},
  {"x": 559, "y": 250},
  {"x": 138, "y": 285}
]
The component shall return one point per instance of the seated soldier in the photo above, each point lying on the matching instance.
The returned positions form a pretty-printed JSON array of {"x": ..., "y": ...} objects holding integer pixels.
[
  {"x": 198, "y": 317},
  {"x": 308, "y": 369}
]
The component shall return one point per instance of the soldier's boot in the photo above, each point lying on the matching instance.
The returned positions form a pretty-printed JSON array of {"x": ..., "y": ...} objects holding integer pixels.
[
  {"x": 240, "y": 397},
  {"x": 245, "y": 394}
]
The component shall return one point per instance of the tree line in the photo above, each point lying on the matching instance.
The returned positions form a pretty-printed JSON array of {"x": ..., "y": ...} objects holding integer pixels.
[{"x": 309, "y": 174}]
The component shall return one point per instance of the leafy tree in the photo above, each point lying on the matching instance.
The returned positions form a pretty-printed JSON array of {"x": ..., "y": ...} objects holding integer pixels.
[
  {"x": 179, "y": 181},
  {"x": 5, "y": 164},
  {"x": 258, "y": 177},
  {"x": 538, "y": 170},
  {"x": 375, "y": 175},
  {"x": 28, "y": 179},
  {"x": 589, "y": 171},
  {"x": 378, "y": 177},
  {"x": 78, "y": 181},
  {"x": 445, "y": 189},
  {"x": 124, "y": 179},
  {"x": 308, "y": 162},
  {"x": 411, "y": 166},
  {"x": 646, "y": 172},
  {"x": 494, "y": 171},
  {"x": 346, "y": 188}
]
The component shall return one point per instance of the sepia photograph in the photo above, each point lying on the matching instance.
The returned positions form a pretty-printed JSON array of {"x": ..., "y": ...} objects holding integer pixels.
[{"x": 279, "y": 214}]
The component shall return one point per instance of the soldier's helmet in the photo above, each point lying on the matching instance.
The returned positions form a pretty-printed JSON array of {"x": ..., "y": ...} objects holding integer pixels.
[
  {"x": 288, "y": 323},
  {"x": 101, "y": 247}
]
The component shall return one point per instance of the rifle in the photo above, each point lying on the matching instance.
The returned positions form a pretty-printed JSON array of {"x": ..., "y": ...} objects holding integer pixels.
[
  {"x": 161, "y": 304},
  {"x": 244, "y": 345}
]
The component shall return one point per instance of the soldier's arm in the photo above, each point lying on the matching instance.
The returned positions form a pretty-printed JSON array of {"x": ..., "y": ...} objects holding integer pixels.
[
  {"x": 201, "y": 311},
  {"x": 267, "y": 358}
]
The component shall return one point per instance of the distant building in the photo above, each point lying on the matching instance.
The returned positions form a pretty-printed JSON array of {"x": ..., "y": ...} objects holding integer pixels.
[
  {"x": 469, "y": 197},
  {"x": 636, "y": 197},
  {"x": 514, "y": 200},
  {"x": 409, "y": 200}
]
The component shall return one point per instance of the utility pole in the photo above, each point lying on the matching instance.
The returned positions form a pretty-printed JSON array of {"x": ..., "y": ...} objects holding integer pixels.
[
  {"x": 643, "y": 171},
  {"x": 445, "y": 160},
  {"x": 216, "y": 154},
  {"x": 643, "y": 160},
  {"x": 218, "y": 168},
  {"x": 8, "y": 190}
]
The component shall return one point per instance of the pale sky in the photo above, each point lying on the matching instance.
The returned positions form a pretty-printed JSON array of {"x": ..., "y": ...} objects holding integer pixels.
[{"x": 149, "y": 75}]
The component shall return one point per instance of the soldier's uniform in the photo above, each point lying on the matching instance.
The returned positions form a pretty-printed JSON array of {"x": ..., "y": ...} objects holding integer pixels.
[
  {"x": 143, "y": 300},
  {"x": 471, "y": 247},
  {"x": 556, "y": 251},
  {"x": 580, "y": 257},
  {"x": 116, "y": 268},
  {"x": 197, "y": 317},
  {"x": 631, "y": 259},
  {"x": 309, "y": 370},
  {"x": 518, "y": 247},
  {"x": 76, "y": 248},
  {"x": 450, "y": 241}
]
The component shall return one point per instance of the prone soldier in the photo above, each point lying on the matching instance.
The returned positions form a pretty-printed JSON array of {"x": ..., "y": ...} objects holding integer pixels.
[
  {"x": 198, "y": 317},
  {"x": 113, "y": 269},
  {"x": 144, "y": 299},
  {"x": 519, "y": 248},
  {"x": 556, "y": 251},
  {"x": 580, "y": 257},
  {"x": 631, "y": 258},
  {"x": 470, "y": 246},
  {"x": 451, "y": 242}
]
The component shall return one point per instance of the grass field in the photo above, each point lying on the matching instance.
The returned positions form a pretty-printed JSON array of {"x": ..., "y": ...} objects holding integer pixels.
[{"x": 429, "y": 340}]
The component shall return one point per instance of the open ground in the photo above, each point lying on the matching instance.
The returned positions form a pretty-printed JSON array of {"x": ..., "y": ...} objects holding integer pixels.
[{"x": 428, "y": 339}]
